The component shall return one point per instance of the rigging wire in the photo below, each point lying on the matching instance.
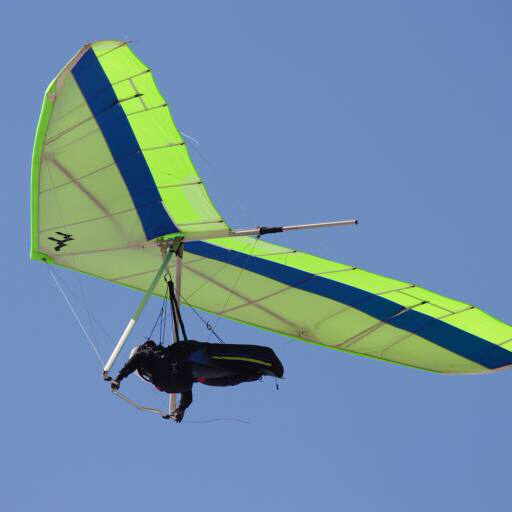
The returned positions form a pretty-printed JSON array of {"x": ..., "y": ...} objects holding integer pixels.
[
  {"x": 50, "y": 171},
  {"x": 77, "y": 318},
  {"x": 187, "y": 136},
  {"x": 213, "y": 420},
  {"x": 220, "y": 316},
  {"x": 161, "y": 317},
  {"x": 84, "y": 306},
  {"x": 220, "y": 269},
  {"x": 60, "y": 286},
  {"x": 199, "y": 153},
  {"x": 208, "y": 325}
]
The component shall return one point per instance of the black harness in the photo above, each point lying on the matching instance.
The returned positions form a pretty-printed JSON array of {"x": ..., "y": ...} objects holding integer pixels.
[{"x": 177, "y": 320}]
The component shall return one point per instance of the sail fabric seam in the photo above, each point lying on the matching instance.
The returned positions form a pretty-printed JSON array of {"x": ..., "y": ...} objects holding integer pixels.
[
  {"x": 282, "y": 290},
  {"x": 87, "y": 193},
  {"x": 408, "y": 294},
  {"x": 237, "y": 294},
  {"x": 120, "y": 45},
  {"x": 93, "y": 117},
  {"x": 211, "y": 276},
  {"x": 401, "y": 340},
  {"x": 78, "y": 179},
  {"x": 104, "y": 168},
  {"x": 64, "y": 257},
  {"x": 121, "y": 141},
  {"x": 67, "y": 131},
  {"x": 80, "y": 105},
  {"x": 449, "y": 337},
  {"x": 85, "y": 221}
]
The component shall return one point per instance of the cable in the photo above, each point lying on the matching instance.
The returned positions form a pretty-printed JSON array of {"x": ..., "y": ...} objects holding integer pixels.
[
  {"x": 213, "y": 420},
  {"x": 208, "y": 325},
  {"x": 63, "y": 293},
  {"x": 60, "y": 287},
  {"x": 84, "y": 306},
  {"x": 248, "y": 255},
  {"x": 205, "y": 322},
  {"x": 187, "y": 136},
  {"x": 159, "y": 318}
]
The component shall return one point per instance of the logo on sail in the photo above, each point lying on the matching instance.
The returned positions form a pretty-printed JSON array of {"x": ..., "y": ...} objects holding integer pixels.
[{"x": 61, "y": 242}]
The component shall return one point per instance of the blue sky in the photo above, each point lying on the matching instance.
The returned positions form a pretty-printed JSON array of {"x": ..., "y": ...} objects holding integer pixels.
[{"x": 396, "y": 112}]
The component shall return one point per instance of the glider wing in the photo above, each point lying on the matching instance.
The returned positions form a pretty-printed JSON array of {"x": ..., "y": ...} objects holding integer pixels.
[{"x": 111, "y": 176}]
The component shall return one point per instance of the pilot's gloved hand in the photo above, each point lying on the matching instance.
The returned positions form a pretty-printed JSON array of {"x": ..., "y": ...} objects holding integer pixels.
[
  {"x": 178, "y": 414},
  {"x": 114, "y": 385}
]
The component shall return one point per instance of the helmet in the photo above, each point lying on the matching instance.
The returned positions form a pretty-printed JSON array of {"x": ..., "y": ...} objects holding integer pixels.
[
  {"x": 147, "y": 344},
  {"x": 134, "y": 350},
  {"x": 150, "y": 344}
]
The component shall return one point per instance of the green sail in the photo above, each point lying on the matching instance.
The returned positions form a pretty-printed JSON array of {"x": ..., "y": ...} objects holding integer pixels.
[
  {"x": 104, "y": 191},
  {"x": 111, "y": 177}
]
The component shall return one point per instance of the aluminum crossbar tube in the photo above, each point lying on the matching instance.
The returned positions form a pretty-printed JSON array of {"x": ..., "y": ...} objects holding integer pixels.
[
  {"x": 138, "y": 311},
  {"x": 280, "y": 229},
  {"x": 227, "y": 233}
]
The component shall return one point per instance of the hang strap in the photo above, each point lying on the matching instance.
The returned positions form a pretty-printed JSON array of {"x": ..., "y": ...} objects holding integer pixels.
[{"x": 177, "y": 320}]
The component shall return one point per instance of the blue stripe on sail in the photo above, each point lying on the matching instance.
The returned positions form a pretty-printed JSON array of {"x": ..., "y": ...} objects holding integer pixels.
[
  {"x": 119, "y": 136},
  {"x": 447, "y": 336}
]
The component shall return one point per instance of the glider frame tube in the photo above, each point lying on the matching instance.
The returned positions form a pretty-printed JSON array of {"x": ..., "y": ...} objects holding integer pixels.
[
  {"x": 208, "y": 235},
  {"x": 138, "y": 311},
  {"x": 141, "y": 408},
  {"x": 280, "y": 229},
  {"x": 177, "y": 293}
]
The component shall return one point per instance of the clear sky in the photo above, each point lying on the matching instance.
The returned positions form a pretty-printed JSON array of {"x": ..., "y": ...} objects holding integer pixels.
[{"x": 396, "y": 112}]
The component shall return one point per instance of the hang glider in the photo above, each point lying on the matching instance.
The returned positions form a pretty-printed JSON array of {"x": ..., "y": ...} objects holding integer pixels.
[{"x": 113, "y": 189}]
